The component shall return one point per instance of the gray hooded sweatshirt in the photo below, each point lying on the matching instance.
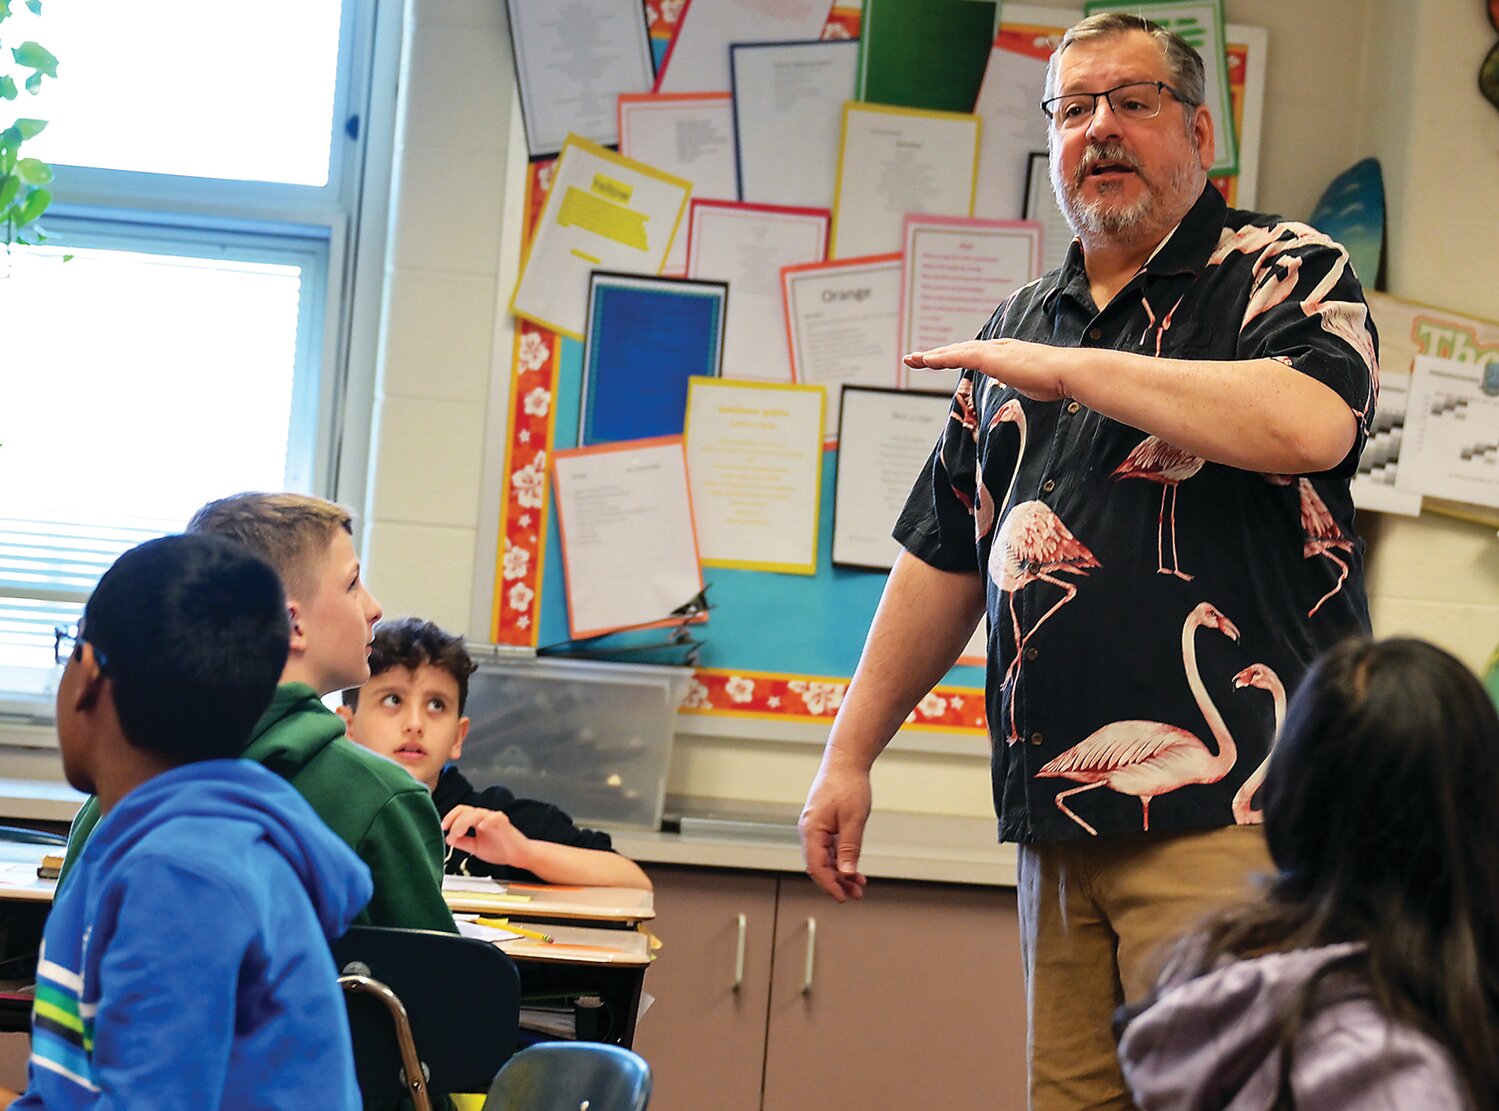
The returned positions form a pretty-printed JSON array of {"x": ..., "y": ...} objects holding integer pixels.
[{"x": 1212, "y": 1042}]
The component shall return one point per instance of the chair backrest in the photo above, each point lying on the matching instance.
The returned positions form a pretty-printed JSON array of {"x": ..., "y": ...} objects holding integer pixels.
[
  {"x": 568, "y": 1076},
  {"x": 461, "y": 997}
]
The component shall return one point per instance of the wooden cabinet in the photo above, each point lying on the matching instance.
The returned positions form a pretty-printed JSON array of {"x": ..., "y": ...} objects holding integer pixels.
[{"x": 911, "y": 997}]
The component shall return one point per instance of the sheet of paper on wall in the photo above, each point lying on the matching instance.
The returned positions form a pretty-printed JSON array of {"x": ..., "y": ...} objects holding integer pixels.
[
  {"x": 1451, "y": 447},
  {"x": 698, "y": 58},
  {"x": 1041, "y": 207},
  {"x": 629, "y": 550},
  {"x": 754, "y": 455},
  {"x": 571, "y": 62},
  {"x": 1407, "y": 329},
  {"x": 1375, "y": 486},
  {"x": 689, "y": 135},
  {"x": 884, "y": 439},
  {"x": 841, "y": 323},
  {"x": 646, "y": 338},
  {"x": 746, "y": 245},
  {"x": 956, "y": 273},
  {"x": 1200, "y": 22},
  {"x": 895, "y": 161},
  {"x": 1009, "y": 102},
  {"x": 603, "y": 212},
  {"x": 898, "y": 40},
  {"x": 788, "y": 114}
]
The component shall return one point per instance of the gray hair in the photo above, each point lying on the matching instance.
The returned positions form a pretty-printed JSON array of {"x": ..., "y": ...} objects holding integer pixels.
[{"x": 1184, "y": 67}]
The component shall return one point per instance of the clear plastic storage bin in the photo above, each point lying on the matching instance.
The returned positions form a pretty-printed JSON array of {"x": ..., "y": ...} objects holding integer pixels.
[{"x": 592, "y": 737}]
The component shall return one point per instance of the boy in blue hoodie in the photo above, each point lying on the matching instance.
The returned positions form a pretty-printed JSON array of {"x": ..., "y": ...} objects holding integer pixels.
[{"x": 186, "y": 964}]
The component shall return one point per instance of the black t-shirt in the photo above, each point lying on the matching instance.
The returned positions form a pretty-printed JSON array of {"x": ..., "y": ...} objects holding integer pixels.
[{"x": 540, "y": 821}]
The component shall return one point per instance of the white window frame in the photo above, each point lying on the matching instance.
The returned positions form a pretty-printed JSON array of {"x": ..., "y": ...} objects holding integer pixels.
[{"x": 338, "y": 232}]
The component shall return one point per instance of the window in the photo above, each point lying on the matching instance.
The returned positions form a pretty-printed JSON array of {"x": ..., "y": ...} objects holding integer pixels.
[{"x": 185, "y": 333}]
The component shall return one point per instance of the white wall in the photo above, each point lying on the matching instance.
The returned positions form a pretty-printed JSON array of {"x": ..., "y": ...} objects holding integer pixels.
[{"x": 1346, "y": 78}]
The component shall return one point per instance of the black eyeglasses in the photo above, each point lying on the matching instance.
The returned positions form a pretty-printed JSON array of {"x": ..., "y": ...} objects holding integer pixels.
[
  {"x": 65, "y": 641},
  {"x": 1134, "y": 102}
]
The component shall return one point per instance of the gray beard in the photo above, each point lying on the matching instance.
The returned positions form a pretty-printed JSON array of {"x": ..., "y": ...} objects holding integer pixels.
[{"x": 1098, "y": 220}]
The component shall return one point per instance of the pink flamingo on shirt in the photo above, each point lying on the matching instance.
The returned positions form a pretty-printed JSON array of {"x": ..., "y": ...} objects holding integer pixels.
[
  {"x": 1033, "y": 545},
  {"x": 1260, "y": 676},
  {"x": 1321, "y": 536},
  {"x": 1150, "y": 758},
  {"x": 1154, "y": 460}
]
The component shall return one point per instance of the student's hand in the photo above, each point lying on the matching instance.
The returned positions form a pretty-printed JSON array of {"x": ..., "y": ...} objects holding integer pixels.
[{"x": 487, "y": 834}]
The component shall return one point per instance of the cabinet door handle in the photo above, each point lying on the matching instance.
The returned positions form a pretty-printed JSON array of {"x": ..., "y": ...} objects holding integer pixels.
[
  {"x": 811, "y": 955},
  {"x": 739, "y": 953}
]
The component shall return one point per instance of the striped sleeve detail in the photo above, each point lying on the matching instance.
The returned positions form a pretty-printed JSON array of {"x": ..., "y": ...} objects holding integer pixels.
[{"x": 62, "y": 1031}]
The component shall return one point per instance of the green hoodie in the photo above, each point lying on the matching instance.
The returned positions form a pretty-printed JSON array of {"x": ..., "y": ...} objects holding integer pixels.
[{"x": 373, "y": 804}]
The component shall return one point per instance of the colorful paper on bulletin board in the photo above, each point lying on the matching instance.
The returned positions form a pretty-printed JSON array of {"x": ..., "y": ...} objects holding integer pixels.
[
  {"x": 605, "y": 212},
  {"x": 798, "y": 675},
  {"x": 1200, "y": 22},
  {"x": 898, "y": 39},
  {"x": 646, "y": 338}
]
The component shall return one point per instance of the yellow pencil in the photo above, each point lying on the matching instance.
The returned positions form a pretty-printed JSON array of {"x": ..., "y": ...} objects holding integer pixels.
[{"x": 505, "y": 924}]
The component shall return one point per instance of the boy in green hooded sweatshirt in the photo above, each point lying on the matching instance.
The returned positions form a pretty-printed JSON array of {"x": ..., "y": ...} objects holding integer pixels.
[{"x": 372, "y": 804}]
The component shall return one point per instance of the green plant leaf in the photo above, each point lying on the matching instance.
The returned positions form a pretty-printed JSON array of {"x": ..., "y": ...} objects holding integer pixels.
[
  {"x": 4, "y": 9},
  {"x": 33, "y": 171},
  {"x": 10, "y": 185},
  {"x": 7, "y": 87},
  {"x": 34, "y": 83},
  {"x": 8, "y": 156},
  {"x": 35, "y": 6},
  {"x": 33, "y": 55},
  {"x": 29, "y": 129},
  {"x": 33, "y": 206}
]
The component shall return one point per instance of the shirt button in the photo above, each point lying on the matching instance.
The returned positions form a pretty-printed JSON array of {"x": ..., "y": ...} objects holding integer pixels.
[
  {"x": 1096, "y": 333},
  {"x": 1048, "y": 486},
  {"x": 1032, "y": 653},
  {"x": 1036, "y": 738},
  {"x": 1073, "y": 406}
]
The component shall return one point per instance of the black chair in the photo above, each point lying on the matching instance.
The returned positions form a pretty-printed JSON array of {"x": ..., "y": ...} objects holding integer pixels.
[
  {"x": 428, "y": 1011},
  {"x": 568, "y": 1076}
]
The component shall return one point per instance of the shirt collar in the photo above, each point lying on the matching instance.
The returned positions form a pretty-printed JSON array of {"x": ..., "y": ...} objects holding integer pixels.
[{"x": 1185, "y": 250}]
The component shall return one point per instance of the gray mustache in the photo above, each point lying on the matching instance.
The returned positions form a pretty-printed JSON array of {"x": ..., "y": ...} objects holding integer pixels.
[{"x": 1104, "y": 152}]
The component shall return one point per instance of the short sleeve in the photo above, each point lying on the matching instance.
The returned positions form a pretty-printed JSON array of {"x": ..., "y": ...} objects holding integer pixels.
[
  {"x": 936, "y": 524},
  {"x": 1306, "y": 308}
]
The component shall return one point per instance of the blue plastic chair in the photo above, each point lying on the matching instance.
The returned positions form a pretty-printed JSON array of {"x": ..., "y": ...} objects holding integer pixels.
[{"x": 572, "y": 1076}]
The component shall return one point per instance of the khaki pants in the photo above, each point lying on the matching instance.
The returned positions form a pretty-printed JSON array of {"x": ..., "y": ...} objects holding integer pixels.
[{"x": 1094, "y": 916}]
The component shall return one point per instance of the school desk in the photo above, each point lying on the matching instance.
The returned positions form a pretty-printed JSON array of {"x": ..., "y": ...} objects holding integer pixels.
[{"x": 592, "y": 955}]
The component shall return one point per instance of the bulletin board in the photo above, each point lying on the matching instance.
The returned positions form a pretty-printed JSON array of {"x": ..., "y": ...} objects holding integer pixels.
[{"x": 775, "y": 646}]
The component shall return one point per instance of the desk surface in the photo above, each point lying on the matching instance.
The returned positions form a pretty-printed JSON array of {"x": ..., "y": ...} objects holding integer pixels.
[
  {"x": 18, "y": 864},
  {"x": 526, "y": 901}
]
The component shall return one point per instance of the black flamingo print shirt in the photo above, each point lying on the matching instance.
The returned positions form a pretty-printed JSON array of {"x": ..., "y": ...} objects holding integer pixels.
[{"x": 1148, "y": 610}]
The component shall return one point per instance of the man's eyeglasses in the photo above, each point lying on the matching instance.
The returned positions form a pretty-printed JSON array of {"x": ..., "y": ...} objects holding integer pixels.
[
  {"x": 65, "y": 641},
  {"x": 1133, "y": 102}
]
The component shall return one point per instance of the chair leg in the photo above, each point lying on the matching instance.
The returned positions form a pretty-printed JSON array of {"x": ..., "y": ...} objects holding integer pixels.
[{"x": 411, "y": 1061}]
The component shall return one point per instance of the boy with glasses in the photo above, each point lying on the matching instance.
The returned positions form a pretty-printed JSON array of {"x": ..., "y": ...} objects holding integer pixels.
[{"x": 186, "y": 962}]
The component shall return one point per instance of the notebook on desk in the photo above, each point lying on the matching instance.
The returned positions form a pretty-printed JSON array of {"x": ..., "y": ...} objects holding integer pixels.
[{"x": 530, "y": 900}]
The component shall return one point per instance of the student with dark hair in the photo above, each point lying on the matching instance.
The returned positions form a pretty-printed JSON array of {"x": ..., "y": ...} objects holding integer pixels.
[
  {"x": 1367, "y": 974},
  {"x": 379, "y": 813},
  {"x": 411, "y": 710},
  {"x": 173, "y": 977}
]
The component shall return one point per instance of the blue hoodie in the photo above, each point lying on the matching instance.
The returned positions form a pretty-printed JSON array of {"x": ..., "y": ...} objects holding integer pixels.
[{"x": 186, "y": 964}]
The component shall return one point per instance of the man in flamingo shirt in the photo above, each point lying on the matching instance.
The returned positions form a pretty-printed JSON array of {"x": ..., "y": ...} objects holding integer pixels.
[{"x": 1144, "y": 486}]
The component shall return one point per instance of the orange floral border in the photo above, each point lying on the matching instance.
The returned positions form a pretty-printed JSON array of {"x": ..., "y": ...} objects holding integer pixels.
[{"x": 761, "y": 694}]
